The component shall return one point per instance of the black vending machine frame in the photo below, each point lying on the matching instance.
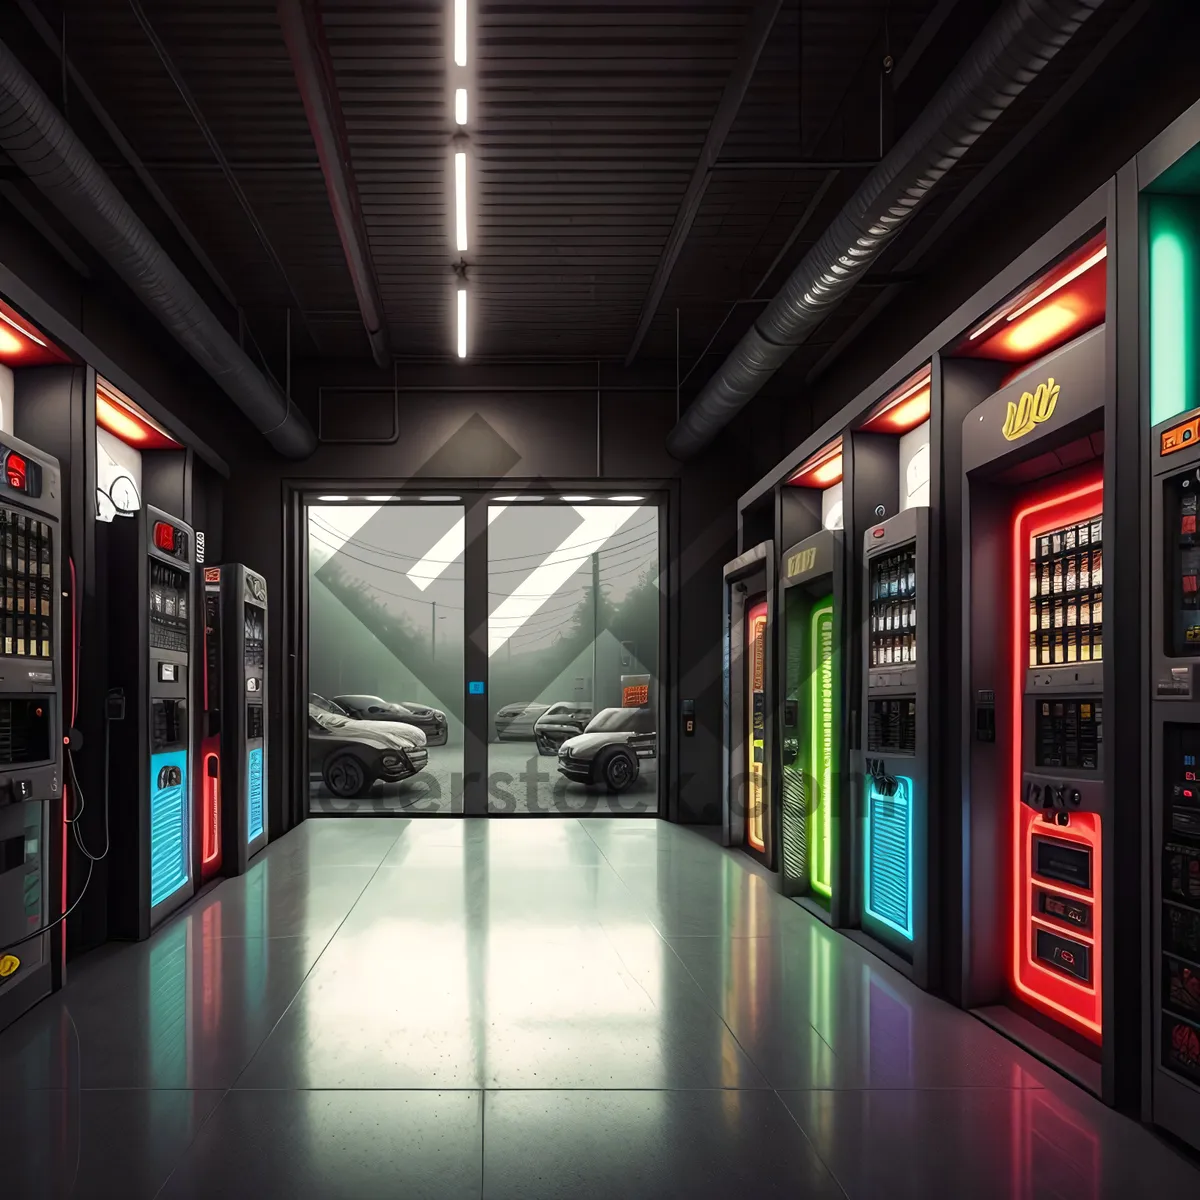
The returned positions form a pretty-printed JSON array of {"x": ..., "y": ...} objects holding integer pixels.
[
  {"x": 813, "y": 568},
  {"x": 757, "y": 565},
  {"x": 883, "y": 768},
  {"x": 31, "y": 793},
  {"x": 1174, "y": 792},
  {"x": 244, "y": 678},
  {"x": 140, "y": 674}
]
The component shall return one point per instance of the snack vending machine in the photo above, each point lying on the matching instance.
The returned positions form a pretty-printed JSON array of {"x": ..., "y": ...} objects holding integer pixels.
[
  {"x": 748, "y": 807},
  {"x": 1175, "y": 776},
  {"x": 813, "y": 726},
  {"x": 151, "y": 568},
  {"x": 31, "y": 721},
  {"x": 1034, "y": 549},
  {"x": 895, "y": 820},
  {"x": 235, "y": 664}
]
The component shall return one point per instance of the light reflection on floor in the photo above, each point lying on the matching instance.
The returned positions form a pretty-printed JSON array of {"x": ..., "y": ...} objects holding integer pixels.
[{"x": 598, "y": 1008}]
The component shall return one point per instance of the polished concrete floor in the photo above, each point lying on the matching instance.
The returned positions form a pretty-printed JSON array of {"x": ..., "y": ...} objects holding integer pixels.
[
  {"x": 565, "y": 1008},
  {"x": 519, "y": 781}
]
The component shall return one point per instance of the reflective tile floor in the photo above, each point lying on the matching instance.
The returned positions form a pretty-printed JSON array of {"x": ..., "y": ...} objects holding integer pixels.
[{"x": 565, "y": 1008}]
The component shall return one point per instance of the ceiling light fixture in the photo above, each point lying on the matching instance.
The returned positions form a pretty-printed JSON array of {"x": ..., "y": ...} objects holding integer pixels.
[
  {"x": 460, "y": 32},
  {"x": 576, "y": 499},
  {"x": 1086, "y": 265},
  {"x": 460, "y": 199},
  {"x": 439, "y": 499},
  {"x": 460, "y": 106},
  {"x": 378, "y": 499},
  {"x": 627, "y": 499},
  {"x": 332, "y": 499},
  {"x": 21, "y": 329},
  {"x": 462, "y": 322}
]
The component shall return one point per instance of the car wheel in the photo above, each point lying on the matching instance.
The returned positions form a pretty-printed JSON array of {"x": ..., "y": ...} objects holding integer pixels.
[
  {"x": 346, "y": 777},
  {"x": 617, "y": 770}
]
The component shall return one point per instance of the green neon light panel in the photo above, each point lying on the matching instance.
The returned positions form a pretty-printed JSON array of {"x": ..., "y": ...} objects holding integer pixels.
[
  {"x": 821, "y": 755},
  {"x": 1174, "y": 228}
]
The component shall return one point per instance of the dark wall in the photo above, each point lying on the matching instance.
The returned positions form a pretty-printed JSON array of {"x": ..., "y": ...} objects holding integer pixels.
[{"x": 481, "y": 424}]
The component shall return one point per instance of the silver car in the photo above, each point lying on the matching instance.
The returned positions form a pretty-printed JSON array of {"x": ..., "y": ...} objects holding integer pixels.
[
  {"x": 560, "y": 721},
  {"x": 611, "y": 750}
]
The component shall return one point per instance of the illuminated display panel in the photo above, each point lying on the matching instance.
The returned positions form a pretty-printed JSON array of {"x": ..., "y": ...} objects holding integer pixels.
[
  {"x": 1072, "y": 1001},
  {"x": 887, "y": 877},
  {"x": 1061, "y": 305},
  {"x": 1173, "y": 228},
  {"x": 822, "y": 470},
  {"x": 821, "y": 753},
  {"x": 904, "y": 408},
  {"x": 756, "y": 647}
]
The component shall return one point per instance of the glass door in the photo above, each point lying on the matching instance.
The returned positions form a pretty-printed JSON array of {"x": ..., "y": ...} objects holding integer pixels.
[
  {"x": 386, "y": 654},
  {"x": 572, "y": 643}
]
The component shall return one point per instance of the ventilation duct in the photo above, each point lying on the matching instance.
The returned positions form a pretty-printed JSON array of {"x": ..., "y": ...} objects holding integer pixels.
[
  {"x": 43, "y": 145},
  {"x": 1015, "y": 47}
]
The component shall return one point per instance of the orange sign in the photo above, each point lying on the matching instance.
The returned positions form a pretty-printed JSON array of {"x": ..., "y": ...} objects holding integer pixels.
[
  {"x": 212, "y": 574},
  {"x": 1181, "y": 437},
  {"x": 636, "y": 696}
]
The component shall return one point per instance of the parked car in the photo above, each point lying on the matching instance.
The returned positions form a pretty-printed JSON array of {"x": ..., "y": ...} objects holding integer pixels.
[
  {"x": 431, "y": 721},
  {"x": 611, "y": 749},
  {"x": 559, "y": 722},
  {"x": 350, "y": 757},
  {"x": 515, "y": 722}
]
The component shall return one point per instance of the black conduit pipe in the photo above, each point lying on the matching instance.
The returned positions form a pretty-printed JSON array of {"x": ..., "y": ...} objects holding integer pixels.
[
  {"x": 35, "y": 136},
  {"x": 1011, "y": 52}
]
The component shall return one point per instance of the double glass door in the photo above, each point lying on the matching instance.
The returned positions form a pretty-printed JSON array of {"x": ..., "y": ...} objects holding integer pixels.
[{"x": 483, "y": 654}]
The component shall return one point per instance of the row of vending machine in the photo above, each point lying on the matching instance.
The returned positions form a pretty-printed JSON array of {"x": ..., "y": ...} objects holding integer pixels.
[
  {"x": 962, "y": 657},
  {"x": 181, "y": 757}
]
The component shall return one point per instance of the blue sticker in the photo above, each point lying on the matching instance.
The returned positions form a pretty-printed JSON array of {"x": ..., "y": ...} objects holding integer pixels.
[{"x": 475, "y": 687}]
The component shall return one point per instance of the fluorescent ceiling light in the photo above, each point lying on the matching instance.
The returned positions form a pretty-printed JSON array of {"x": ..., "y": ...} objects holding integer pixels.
[
  {"x": 460, "y": 200},
  {"x": 627, "y": 499},
  {"x": 532, "y": 593},
  {"x": 438, "y": 499},
  {"x": 523, "y": 499},
  {"x": 462, "y": 322},
  {"x": 446, "y": 550},
  {"x": 378, "y": 499},
  {"x": 460, "y": 32},
  {"x": 20, "y": 329},
  {"x": 333, "y": 499},
  {"x": 576, "y": 499},
  {"x": 460, "y": 106}
]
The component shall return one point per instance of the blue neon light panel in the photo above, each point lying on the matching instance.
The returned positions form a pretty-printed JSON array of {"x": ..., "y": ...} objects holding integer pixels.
[
  {"x": 168, "y": 824},
  {"x": 888, "y": 882},
  {"x": 255, "y": 783}
]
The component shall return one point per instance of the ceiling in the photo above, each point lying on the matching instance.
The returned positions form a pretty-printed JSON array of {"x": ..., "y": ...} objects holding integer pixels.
[{"x": 587, "y": 124}]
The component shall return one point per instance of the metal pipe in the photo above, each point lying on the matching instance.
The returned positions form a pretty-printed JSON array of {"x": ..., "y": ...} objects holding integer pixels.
[
  {"x": 1012, "y": 51},
  {"x": 35, "y": 136},
  {"x": 305, "y": 37}
]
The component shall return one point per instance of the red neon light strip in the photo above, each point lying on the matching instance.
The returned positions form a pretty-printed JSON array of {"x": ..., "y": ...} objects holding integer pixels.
[{"x": 1075, "y": 1004}]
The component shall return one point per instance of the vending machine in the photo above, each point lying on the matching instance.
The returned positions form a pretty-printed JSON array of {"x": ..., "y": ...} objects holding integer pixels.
[
  {"x": 31, "y": 720},
  {"x": 151, "y": 564},
  {"x": 1175, "y": 776},
  {"x": 895, "y": 777},
  {"x": 812, "y": 722},
  {"x": 1037, "y": 757},
  {"x": 748, "y": 807},
  {"x": 233, "y": 750}
]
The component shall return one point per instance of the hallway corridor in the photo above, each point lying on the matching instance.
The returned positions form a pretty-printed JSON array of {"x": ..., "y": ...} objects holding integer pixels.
[{"x": 526, "y": 1009}]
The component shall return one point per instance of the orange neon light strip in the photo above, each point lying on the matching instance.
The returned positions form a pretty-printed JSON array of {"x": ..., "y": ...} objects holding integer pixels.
[
  {"x": 756, "y": 648},
  {"x": 905, "y": 408},
  {"x": 1074, "y": 1003},
  {"x": 821, "y": 470}
]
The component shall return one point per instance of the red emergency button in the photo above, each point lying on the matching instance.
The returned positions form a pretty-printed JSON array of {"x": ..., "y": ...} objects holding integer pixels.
[
  {"x": 16, "y": 471},
  {"x": 164, "y": 536}
]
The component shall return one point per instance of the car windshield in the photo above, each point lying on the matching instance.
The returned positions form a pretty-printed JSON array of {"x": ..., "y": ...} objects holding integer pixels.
[
  {"x": 327, "y": 720},
  {"x": 326, "y": 706},
  {"x": 622, "y": 720}
]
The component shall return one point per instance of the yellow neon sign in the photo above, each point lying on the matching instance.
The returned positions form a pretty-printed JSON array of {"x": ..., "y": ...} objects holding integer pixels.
[{"x": 1032, "y": 409}]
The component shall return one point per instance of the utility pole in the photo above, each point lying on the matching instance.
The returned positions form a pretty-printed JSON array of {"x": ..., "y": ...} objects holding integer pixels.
[
  {"x": 595, "y": 621},
  {"x": 433, "y": 633}
]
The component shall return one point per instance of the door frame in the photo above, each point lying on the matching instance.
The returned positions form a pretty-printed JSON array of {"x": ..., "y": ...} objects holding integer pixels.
[{"x": 292, "y": 662}]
